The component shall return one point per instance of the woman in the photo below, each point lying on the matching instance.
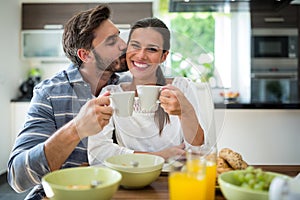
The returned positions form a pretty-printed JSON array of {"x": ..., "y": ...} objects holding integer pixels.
[{"x": 167, "y": 131}]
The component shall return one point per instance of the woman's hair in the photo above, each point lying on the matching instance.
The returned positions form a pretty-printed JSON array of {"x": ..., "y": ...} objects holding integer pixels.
[
  {"x": 79, "y": 31},
  {"x": 161, "y": 117}
]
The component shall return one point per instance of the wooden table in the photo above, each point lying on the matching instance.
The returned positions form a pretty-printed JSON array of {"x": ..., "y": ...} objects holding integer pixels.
[{"x": 159, "y": 189}]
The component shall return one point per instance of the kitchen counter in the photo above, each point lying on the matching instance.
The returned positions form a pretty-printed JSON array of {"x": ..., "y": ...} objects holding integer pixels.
[
  {"x": 159, "y": 188},
  {"x": 236, "y": 105},
  {"x": 250, "y": 105}
]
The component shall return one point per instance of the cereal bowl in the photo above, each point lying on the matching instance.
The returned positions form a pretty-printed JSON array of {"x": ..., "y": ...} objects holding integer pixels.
[
  {"x": 138, "y": 170},
  {"x": 94, "y": 183}
]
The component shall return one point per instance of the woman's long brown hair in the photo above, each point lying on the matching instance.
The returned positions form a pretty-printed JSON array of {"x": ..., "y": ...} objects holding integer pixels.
[{"x": 161, "y": 118}]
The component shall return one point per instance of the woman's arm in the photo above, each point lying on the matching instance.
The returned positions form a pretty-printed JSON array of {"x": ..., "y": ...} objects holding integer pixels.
[{"x": 174, "y": 102}]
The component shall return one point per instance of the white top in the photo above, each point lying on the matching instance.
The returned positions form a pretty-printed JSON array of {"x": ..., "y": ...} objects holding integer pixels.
[{"x": 139, "y": 131}]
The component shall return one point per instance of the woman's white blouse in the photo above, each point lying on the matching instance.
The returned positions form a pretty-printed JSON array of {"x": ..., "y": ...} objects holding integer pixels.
[{"x": 139, "y": 131}]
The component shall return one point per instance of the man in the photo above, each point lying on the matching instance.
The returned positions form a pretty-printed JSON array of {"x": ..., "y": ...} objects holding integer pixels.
[{"x": 66, "y": 109}]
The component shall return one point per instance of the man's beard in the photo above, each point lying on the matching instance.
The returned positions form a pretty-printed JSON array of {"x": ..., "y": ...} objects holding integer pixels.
[{"x": 117, "y": 65}]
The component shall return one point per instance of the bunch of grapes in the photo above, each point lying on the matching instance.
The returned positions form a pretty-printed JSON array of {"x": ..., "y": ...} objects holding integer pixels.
[{"x": 252, "y": 178}]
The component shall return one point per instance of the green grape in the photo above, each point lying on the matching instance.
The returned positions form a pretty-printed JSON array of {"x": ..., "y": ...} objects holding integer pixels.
[
  {"x": 259, "y": 186},
  {"x": 255, "y": 179},
  {"x": 245, "y": 185},
  {"x": 249, "y": 169},
  {"x": 252, "y": 182},
  {"x": 249, "y": 176}
]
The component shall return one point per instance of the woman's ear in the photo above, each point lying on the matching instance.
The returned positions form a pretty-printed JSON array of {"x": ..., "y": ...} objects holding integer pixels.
[
  {"x": 84, "y": 55},
  {"x": 164, "y": 56}
]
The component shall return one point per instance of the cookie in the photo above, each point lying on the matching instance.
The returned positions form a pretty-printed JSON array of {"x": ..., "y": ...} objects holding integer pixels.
[
  {"x": 221, "y": 163},
  {"x": 234, "y": 159}
]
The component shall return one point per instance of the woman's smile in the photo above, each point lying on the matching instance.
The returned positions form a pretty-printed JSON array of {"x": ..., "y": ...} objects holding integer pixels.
[{"x": 140, "y": 65}]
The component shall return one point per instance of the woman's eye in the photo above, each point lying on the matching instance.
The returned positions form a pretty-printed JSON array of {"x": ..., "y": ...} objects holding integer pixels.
[
  {"x": 135, "y": 46},
  {"x": 152, "y": 49}
]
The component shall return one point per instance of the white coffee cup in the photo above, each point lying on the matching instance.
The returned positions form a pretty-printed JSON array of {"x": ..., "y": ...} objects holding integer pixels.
[
  {"x": 148, "y": 97},
  {"x": 122, "y": 102},
  {"x": 284, "y": 189}
]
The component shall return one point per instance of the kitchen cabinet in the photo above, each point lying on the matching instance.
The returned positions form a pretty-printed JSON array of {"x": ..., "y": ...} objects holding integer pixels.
[
  {"x": 128, "y": 13},
  {"x": 41, "y": 15},
  {"x": 285, "y": 17},
  {"x": 18, "y": 110}
]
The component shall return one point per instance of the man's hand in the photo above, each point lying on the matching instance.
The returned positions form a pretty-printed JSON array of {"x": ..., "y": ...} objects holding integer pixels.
[{"x": 93, "y": 116}]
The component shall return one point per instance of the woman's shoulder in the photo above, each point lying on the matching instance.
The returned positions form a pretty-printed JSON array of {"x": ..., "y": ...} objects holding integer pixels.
[
  {"x": 184, "y": 83},
  {"x": 116, "y": 88}
]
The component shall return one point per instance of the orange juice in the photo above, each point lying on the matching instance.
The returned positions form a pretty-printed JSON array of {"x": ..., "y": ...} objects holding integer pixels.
[
  {"x": 195, "y": 166},
  {"x": 211, "y": 173},
  {"x": 183, "y": 185}
]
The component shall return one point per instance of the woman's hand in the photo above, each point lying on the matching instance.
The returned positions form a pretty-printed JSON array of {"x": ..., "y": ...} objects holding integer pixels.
[
  {"x": 171, "y": 151},
  {"x": 173, "y": 101}
]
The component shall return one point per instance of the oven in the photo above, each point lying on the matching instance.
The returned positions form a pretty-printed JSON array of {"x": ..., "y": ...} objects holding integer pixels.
[
  {"x": 274, "y": 87},
  {"x": 274, "y": 65}
]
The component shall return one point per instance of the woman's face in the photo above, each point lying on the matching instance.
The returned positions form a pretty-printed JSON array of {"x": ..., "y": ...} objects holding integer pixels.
[{"x": 145, "y": 53}]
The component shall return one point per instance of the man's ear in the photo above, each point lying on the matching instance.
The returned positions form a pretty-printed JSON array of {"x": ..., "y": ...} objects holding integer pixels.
[{"x": 84, "y": 55}]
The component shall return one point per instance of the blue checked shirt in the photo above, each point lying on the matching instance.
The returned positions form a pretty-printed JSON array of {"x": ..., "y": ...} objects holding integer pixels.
[{"x": 55, "y": 102}]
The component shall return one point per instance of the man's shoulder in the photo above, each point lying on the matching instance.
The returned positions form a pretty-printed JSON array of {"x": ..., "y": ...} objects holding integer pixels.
[
  {"x": 61, "y": 78},
  {"x": 54, "y": 81}
]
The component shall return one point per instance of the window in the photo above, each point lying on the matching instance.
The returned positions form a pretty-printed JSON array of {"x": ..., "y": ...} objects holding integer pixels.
[{"x": 211, "y": 46}]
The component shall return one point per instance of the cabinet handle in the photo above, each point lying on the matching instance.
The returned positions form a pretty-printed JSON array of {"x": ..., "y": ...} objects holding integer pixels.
[
  {"x": 53, "y": 26},
  {"x": 274, "y": 19}
]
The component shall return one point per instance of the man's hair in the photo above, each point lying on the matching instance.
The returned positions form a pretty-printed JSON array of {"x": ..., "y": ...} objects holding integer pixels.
[{"x": 79, "y": 30}]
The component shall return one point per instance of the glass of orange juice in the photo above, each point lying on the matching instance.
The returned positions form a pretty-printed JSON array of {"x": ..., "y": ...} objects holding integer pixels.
[
  {"x": 187, "y": 179},
  {"x": 209, "y": 154}
]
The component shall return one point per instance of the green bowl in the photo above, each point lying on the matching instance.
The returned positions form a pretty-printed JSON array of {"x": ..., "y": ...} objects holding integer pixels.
[
  {"x": 131, "y": 180},
  {"x": 75, "y": 183},
  {"x": 232, "y": 191},
  {"x": 146, "y": 162},
  {"x": 148, "y": 169}
]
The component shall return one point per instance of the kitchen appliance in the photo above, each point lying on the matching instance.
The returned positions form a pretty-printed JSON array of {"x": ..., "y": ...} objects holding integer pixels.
[
  {"x": 274, "y": 65},
  {"x": 274, "y": 43}
]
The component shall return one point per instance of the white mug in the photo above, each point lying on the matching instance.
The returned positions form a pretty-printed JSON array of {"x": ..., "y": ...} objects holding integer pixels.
[
  {"x": 122, "y": 102},
  {"x": 284, "y": 189},
  {"x": 148, "y": 96}
]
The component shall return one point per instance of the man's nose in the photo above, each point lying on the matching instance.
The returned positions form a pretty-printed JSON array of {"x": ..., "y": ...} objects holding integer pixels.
[{"x": 122, "y": 45}]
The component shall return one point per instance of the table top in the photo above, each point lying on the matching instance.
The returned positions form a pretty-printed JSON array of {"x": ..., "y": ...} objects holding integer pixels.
[{"x": 159, "y": 188}]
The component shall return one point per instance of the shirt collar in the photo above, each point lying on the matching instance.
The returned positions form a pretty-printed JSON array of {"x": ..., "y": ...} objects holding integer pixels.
[{"x": 74, "y": 75}]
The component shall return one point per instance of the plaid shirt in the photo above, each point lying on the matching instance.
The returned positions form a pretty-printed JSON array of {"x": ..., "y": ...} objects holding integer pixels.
[{"x": 55, "y": 102}]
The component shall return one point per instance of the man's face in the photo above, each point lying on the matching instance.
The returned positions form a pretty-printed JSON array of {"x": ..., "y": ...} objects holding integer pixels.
[
  {"x": 108, "y": 47},
  {"x": 118, "y": 65}
]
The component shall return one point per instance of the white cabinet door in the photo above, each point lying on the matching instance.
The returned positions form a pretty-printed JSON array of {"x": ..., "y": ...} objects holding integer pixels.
[{"x": 19, "y": 110}]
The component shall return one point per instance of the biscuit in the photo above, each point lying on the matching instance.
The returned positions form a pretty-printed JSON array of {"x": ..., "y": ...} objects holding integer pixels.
[
  {"x": 221, "y": 163},
  {"x": 234, "y": 159},
  {"x": 221, "y": 170}
]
